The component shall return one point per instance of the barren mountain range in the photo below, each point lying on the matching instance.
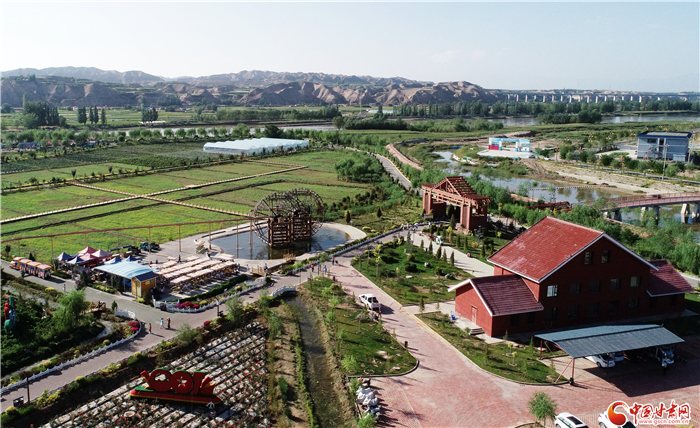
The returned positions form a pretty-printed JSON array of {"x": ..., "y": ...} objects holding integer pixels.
[{"x": 89, "y": 86}]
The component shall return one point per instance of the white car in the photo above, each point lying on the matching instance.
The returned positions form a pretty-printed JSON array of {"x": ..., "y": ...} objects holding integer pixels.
[
  {"x": 567, "y": 420},
  {"x": 617, "y": 356},
  {"x": 605, "y": 422},
  {"x": 370, "y": 301},
  {"x": 602, "y": 360}
]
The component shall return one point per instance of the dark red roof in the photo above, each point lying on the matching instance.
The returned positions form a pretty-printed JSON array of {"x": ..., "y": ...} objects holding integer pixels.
[
  {"x": 506, "y": 294},
  {"x": 544, "y": 247},
  {"x": 666, "y": 280}
]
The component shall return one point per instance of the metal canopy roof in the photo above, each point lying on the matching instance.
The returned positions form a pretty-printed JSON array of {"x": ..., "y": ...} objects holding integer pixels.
[
  {"x": 125, "y": 269},
  {"x": 610, "y": 338}
]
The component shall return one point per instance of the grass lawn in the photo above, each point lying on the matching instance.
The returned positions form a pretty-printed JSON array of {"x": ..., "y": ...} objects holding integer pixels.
[
  {"x": 495, "y": 358},
  {"x": 424, "y": 283},
  {"x": 374, "y": 350}
]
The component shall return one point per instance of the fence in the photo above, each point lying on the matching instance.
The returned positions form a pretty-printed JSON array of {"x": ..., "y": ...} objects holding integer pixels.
[
  {"x": 358, "y": 245},
  {"x": 72, "y": 362},
  {"x": 172, "y": 307}
]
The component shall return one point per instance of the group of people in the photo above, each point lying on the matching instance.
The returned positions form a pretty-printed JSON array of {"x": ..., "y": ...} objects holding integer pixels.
[{"x": 162, "y": 323}]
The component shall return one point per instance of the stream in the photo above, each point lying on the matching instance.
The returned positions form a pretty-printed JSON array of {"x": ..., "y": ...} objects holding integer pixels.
[{"x": 318, "y": 373}]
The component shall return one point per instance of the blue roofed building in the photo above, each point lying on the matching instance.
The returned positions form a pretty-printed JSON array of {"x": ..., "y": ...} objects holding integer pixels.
[
  {"x": 137, "y": 279},
  {"x": 659, "y": 145}
]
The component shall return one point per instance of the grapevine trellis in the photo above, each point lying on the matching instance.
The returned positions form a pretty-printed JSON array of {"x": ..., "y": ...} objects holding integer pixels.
[
  {"x": 292, "y": 216},
  {"x": 237, "y": 362}
]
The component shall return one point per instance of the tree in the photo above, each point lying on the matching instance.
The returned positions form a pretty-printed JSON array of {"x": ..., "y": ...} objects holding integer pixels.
[
  {"x": 103, "y": 116},
  {"x": 542, "y": 407},
  {"x": 338, "y": 122},
  {"x": 30, "y": 121},
  {"x": 91, "y": 116},
  {"x": 347, "y": 216},
  {"x": 82, "y": 115},
  {"x": 264, "y": 302},
  {"x": 235, "y": 310},
  {"x": 379, "y": 212},
  {"x": 168, "y": 133},
  {"x": 452, "y": 258},
  {"x": 72, "y": 307},
  {"x": 6, "y": 108}
]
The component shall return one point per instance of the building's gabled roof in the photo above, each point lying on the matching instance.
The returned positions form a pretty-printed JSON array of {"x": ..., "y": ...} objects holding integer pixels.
[
  {"x": 146, "y": 276},
  {"x": 666, "y": 280},
  {"x": 456, "y": 185},
  {"x": 548, "y": 245},
  {"x": 503, "y": 295},
  {"x": 125, "y": 269}
]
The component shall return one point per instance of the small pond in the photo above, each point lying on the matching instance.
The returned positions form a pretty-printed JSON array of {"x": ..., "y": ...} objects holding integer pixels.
[{"x": 325, "y": 239}]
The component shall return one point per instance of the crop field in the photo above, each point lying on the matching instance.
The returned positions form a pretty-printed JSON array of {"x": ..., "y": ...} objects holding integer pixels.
[
  {"x": 66, "y": 173},
  {"x": 36, "y": 201},
  {"x": 239, "y": 196}
]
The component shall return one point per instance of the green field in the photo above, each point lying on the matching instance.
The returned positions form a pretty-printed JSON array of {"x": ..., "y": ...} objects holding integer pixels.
[{"x": 239, "y": 196}]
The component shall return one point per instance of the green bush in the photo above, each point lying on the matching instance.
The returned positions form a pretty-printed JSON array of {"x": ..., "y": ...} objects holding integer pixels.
[{"x": 284, "y": 388}]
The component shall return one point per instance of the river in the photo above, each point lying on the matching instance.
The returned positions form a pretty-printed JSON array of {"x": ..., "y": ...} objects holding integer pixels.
[{"x": 565, "y": 191}]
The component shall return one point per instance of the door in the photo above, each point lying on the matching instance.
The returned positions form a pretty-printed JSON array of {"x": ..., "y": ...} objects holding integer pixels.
[{"x": 474, "y": 314}]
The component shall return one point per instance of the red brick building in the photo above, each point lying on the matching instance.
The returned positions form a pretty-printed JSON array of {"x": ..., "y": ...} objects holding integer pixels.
[{"x": 560, "y": 275}]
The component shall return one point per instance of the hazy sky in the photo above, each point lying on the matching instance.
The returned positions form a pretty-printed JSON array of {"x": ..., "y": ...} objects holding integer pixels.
[{"x": 647, "y": 46}]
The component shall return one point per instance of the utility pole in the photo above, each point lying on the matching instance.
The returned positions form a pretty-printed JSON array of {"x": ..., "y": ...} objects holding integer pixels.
[{"x": 663, "y": 172}]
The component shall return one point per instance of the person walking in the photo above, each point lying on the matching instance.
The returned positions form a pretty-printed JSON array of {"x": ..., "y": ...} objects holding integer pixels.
[
  {"x": 168, "y": 323},
  {"x": 664, "y": 365},
  {"x": 149, "y": 328},
  {"x": 161, "y": 323},
  {"x": 64, "y": 287}
]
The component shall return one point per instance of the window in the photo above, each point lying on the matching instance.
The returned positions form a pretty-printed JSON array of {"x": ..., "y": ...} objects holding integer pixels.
[
  {"x": 572, "y": 313},
  {"x": 613, "y": 306},
  {"x": 587, "y": 257},
  {"x": 614, "y": 284},
  {"x": 530, "y": 318},
  {"x": 652, "y": 302},
  {"x": 662, "y": 141},
  {"x": 550, "y": 314},
  {"x": 593, "y": 309},
  {"x": 633, "y": 304},
  {"x": 605, "y": 258},
  {"x": 515, "y": 319},
  {"x": 634, "y": 281},
  {"x": 595, "y": 286},
  {"x": 651, "y": 140},
  {"x": 575, "y": 288},
  {"x": 552, "y": 290}
]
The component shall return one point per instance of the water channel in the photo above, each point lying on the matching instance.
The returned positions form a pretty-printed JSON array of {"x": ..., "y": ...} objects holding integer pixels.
[
  {"x": 317, "y": 372},
  {"x": 565, "y": 191},
  {"x": 239, "y": 246}
]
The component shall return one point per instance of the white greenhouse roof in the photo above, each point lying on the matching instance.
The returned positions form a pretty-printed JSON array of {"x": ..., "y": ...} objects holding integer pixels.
[{"x": 254, "y": 145}]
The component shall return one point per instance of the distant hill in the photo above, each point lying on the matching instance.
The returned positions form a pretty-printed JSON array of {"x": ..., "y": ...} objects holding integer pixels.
[
  {"x": 90, "y": 73},
  {"x": 315, "y": 93},
  {"x": 258, "y": 78}
]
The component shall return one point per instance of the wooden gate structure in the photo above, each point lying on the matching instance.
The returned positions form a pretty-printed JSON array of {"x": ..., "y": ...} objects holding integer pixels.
[{"x": 457, "y": 192}]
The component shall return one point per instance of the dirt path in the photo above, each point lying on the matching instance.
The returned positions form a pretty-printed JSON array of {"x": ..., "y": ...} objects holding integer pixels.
[{"x": 630, "y": 183}]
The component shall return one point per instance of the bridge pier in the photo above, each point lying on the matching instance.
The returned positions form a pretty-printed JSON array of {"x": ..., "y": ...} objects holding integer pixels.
[
  {"x": 656, "y": 210},
  {"x": 614, "y": 215},
  {"x": 690, "y": 213}
]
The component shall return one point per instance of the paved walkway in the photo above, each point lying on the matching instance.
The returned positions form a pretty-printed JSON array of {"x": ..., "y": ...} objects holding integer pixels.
[{"x": 448, "y": 390}]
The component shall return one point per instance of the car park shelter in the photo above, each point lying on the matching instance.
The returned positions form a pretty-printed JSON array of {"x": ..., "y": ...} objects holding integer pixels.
[
  {"x": 137, "y": 279},
  {"x": 604, "y": 339}
]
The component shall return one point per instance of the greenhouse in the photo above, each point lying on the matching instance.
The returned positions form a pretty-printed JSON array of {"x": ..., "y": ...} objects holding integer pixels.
[{"x": 255, "y": 145}]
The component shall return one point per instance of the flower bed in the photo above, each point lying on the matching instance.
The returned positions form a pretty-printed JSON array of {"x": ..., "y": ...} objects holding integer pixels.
[{"x": 237, "y": 364}]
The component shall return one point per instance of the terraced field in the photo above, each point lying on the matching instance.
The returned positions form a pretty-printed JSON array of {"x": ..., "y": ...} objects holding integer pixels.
[{"x": 238, "y": 196}]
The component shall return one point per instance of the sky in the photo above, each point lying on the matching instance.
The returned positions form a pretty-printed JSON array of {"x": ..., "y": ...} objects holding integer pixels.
[{"x": 635, "y": 46}]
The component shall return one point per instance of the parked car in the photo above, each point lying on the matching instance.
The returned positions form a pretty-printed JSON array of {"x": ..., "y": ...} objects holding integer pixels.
[
  {"x": 153, "y": 246},
  {"x": 636, "y": 355},
  {"x": 605, "y": 422},
  {"x": 617, "y": 356},
  {"x": 602, "y": 360},
  {"x": 370, "y": 301},
  {"x": 567, "y": 420}
]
